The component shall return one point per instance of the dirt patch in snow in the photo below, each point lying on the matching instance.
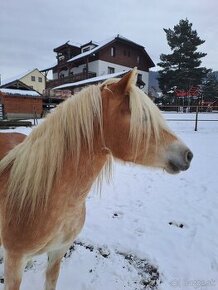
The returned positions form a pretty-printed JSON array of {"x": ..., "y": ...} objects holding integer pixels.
[{"x": 149, "y": 274}]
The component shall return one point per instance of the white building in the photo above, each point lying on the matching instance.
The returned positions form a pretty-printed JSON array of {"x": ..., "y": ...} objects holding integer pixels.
[{"x": 91, "y": 60}]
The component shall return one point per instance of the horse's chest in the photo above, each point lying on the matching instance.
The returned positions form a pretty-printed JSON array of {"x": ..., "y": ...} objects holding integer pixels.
[{"x": 71, "y": 224}]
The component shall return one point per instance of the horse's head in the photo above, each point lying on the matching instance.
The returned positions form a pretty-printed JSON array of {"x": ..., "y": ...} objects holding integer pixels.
[{"x": 135, "y": 131}]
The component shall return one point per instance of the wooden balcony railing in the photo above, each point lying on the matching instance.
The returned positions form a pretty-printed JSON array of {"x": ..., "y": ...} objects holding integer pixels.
[{"x": 70, "y": 79}]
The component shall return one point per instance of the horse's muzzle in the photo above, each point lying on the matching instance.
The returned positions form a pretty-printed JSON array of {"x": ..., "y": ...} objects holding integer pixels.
[{"x": 179, "y": 158}]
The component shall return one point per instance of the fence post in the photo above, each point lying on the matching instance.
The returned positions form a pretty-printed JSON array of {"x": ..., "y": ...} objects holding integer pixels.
[{"x": 196, "y": 119}]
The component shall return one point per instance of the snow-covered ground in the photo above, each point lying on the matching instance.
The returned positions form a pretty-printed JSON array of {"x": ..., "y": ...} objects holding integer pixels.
[{"x": 147, "y": 226}]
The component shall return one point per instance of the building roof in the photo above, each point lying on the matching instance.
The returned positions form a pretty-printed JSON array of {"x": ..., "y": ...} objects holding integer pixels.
[
  {"x": 20, "y": 92},
  {"x": 67, "y": 44},
  {"x": 99, "y": 46},
  {"x": 89, "y": 43},
  {"x": 18, "y": 88},
  {"x": 108, "y": 42},
  {"x": 91, "y": 80}
]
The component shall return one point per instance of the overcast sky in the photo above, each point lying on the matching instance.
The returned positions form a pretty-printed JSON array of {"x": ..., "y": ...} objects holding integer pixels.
[{"x": 30, "y": 29}]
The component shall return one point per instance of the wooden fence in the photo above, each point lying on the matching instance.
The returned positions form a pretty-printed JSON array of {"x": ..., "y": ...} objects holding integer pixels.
[{"x": 191, "y": 109}]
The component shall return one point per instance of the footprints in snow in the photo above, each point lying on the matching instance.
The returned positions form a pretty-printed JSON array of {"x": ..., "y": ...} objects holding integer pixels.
[
  {"x": 177, "y": 224},
  {"x": 117, "y": 214}
]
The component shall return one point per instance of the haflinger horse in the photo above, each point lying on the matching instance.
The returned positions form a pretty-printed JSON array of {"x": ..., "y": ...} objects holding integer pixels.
[{"x": 45, "y": 179}]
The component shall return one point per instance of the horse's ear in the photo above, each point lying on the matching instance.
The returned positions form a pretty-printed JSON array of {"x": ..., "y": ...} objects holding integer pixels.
[{"x": 123, "y": 86}]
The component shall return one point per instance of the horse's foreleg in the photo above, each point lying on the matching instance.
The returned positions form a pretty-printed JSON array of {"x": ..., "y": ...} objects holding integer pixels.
[
  {"x": 13, "y": 269},
  {"x": 53, "y": 268}
]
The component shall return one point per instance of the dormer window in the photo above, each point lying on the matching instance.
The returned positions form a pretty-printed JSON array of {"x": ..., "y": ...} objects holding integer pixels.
[{"x": 86, "y": 49}]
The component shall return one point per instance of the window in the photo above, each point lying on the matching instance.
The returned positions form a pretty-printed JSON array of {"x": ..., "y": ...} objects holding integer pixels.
[
  {"x": 129, "y": 54},
  {"x": 60, "y": 56},
  {"x": 138, "y": 59},
  {"x": 124, "y": 52},
  {"x": 113, "y": 51},
  {"x": 86, "y": 49},
  {"x": 110, "y": 70},
  {"x": 40, "y": 79},
  {"x": 33, "y": 78},
  {"x": 140, "y": 77}
]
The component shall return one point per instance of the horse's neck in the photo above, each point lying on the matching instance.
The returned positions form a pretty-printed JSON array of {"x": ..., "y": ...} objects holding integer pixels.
[{"x": 76, "y": 180}]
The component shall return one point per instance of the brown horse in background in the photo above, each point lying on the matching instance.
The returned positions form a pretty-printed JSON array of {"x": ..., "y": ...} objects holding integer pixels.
[
  {"x": 8, "y": 141},
  {"x": 44, "y": 181}
]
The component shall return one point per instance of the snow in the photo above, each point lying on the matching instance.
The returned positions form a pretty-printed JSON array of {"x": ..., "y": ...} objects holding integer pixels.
[
  {"x": 169, "y": 221},
  {"x": 20, "y": 92},
  {"x": 92, "y": 80}
]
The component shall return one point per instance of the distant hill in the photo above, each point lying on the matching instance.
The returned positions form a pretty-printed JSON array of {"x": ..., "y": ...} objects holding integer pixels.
[
  {"x": 153, "y": 80},
  {"x": 216, "y": 74}
]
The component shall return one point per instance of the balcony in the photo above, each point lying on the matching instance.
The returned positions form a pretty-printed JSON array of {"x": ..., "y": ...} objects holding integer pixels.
[{"x": 69, "y": 79}]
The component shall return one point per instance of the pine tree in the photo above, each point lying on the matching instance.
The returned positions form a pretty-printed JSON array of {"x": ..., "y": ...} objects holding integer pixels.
[{"x": 182, "y": 68}]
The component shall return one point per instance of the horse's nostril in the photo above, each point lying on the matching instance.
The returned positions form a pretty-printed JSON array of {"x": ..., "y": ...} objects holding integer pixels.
[{"x": 189, "y": 156}]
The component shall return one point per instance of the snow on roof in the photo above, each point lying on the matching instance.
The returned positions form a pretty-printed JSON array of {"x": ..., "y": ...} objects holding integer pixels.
[
  {"x": 20, "y": 92},
  {"x": 92, "y": 80},
  {"x": 101, "y": 44}
]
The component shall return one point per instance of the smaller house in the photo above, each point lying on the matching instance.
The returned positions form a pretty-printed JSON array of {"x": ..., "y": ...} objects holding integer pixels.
[
  {"x": 33, "y": 79},
  {"x": 18, "y": 101}
]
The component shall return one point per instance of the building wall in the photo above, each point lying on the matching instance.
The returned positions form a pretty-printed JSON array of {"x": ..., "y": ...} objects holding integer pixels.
[
  {"x": 100, "y": 67},
  {"x": 77, "y": 70},
  {"x": 21, "y": 107},
  {"x": 103, "y": 69},
  {"x": 125, "y": 55},
  {"x": 37, "y": 85}
]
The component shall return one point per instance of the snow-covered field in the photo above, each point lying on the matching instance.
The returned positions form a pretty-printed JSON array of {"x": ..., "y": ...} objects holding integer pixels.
[{"x": 147, "y": 227}]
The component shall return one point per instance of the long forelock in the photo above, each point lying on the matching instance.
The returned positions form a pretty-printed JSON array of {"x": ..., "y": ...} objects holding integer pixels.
[{"x": 146, "y": 118}]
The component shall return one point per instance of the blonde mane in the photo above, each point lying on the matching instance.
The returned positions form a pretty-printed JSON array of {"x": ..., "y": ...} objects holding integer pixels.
[
  {"x": 35, "y": 163},
  {"x": 39, "y": 158}
]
